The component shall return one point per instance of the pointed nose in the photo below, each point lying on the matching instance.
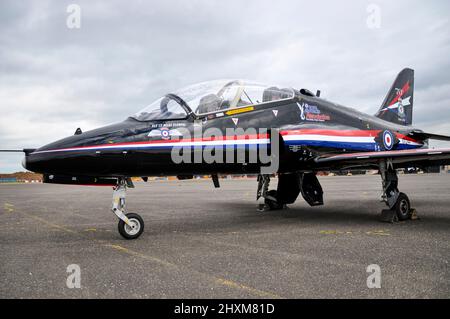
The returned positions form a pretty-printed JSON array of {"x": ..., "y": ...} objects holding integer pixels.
[{"x": 24, "y": 163}]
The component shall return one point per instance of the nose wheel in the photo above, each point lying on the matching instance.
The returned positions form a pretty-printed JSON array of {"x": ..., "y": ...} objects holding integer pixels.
[
  {"x": 130, "y": 225},
  {"x": 132, "y": 230}
]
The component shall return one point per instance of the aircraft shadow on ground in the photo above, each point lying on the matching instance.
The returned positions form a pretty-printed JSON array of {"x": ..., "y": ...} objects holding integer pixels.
[{"x": 245, "y": 215}]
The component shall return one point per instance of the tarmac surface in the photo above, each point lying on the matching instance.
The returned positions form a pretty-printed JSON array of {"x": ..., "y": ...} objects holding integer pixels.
[{"x": 201, "y": 242}]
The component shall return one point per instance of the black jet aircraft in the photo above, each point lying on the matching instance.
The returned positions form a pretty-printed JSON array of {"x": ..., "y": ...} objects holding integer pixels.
[{"x": 300, "y": 131}]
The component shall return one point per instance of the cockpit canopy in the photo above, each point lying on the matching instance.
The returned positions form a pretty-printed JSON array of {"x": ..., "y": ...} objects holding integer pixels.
[{"x": 211, "y": 96}]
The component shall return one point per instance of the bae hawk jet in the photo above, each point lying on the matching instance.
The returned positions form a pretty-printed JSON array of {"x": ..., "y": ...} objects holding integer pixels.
[{"x": 250, "y": 127}]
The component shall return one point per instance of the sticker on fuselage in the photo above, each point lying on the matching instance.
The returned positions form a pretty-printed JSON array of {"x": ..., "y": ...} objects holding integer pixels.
[
  {"x": 165, "y": 133},
  {"x": 309, "y": 112},
  {"x": 168, "y": 124}
]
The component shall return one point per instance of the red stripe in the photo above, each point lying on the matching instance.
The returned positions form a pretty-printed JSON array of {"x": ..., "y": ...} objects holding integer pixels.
[
  {"x": 97, "y": 185},
  {"x": 405, "y": 89},
  {"x": 204, "y": 139},
  {"x": 404, "y": 137},
  {"x": 356, "y": 133},
  {"x": 359, "y": 133}
]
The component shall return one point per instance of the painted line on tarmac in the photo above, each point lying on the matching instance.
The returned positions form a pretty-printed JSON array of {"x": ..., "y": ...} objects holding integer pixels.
[{"x": 212, "y": 278}]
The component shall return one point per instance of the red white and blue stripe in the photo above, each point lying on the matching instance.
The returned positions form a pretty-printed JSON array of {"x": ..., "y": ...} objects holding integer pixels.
[{"x": 357, "y": 140}]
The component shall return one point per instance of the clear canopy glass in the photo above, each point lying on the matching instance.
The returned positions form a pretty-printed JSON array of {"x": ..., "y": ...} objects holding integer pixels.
[{"x": 211, "y": 96}]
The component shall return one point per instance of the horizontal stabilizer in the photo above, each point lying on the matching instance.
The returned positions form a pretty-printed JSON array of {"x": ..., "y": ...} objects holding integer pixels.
[
  {"x": 25, "y": 150},
  {"x": 424, "y": 136}
]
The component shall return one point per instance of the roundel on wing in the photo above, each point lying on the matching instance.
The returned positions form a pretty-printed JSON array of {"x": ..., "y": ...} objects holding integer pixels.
[{"x": 388, "y": 140}]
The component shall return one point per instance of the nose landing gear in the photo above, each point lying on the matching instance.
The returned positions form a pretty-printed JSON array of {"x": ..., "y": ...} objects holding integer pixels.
[
  {"x": 130, "y": 225},
  {"x": 267, "y": 199}
]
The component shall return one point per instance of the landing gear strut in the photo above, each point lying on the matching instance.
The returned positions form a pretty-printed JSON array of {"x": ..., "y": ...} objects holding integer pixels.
[
  {"x": 130, "y": 225},
  {"x": 398, "y": 203},
  {"x": 267, "y": 199}
]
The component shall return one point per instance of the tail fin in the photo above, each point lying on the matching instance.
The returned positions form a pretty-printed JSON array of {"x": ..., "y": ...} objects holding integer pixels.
[{"x": 397, "y": 106}]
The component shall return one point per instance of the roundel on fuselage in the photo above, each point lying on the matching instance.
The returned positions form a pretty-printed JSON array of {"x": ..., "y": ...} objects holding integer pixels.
[{"x": 388, "y": 140}]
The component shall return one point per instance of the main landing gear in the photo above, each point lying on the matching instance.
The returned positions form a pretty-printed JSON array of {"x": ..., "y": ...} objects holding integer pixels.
[
  {"x": 398, "y": 203},
  {"x": 130, "y": 225},
  {"x": 290, "y": 185}
]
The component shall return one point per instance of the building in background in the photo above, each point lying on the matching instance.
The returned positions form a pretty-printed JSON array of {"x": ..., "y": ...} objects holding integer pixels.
[{"x": 21, "y": 177}]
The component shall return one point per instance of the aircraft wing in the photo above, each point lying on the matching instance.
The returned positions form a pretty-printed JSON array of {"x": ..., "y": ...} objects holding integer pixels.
[{"x": 402, "y": 158}]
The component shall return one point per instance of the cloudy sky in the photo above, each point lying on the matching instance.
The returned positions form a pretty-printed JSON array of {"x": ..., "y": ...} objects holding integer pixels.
[{"x": 54, "y": 79}]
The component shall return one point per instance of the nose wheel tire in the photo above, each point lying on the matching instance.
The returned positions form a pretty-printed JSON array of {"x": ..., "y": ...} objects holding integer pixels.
[
  {"x": 403, "y": 207},
  {"x": 134, "y": 230}
]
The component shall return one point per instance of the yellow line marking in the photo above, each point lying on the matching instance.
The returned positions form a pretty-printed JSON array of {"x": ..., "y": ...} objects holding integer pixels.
[
  {"x": 44, "y": 221},
  {"x": 215, "y": 279},
  {"x": 9, "y": 208},
  {"x": 380, "y": 232},
  {"x": 143, "y": 256},
  {"x": 236, "y": 285},
  {"x": 212, "y": 278},
  {"x": 335, "y": 232}
]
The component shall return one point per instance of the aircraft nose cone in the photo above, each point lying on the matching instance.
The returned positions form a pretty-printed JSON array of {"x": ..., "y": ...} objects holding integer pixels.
[
  {"x": 24, "y": 163},
  {"x": 37, "y": 163}
]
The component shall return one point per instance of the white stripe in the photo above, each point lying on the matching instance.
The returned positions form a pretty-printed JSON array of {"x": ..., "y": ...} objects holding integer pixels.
[
  {"x": 180, "y": 144},
  {"x": 334, "y": 138},
  {"x": 329, "y": 138},
  {"x": 405, "y": 102},
  {"x": 402, "y": 141}
]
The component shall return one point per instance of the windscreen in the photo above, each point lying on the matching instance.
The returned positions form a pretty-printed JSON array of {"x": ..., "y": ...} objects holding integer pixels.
[
  {"x": 164, "y": 108},
  {"x": 213, "y": 96}
]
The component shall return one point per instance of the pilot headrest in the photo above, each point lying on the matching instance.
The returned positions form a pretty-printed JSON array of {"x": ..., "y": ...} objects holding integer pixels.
[
  {"x": 271, "y": 94},
  {"x": 209, "y": 103}
]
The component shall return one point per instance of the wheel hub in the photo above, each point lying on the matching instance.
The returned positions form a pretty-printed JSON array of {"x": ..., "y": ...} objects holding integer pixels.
[
  {"x": 133, "y": 228},
  {"x": 404, "y": 207}
]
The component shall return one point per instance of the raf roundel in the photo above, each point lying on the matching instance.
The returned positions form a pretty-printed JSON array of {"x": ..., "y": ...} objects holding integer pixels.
[
  {"x": 388, "y": 140},
  {"x": 165, "y": 133}
]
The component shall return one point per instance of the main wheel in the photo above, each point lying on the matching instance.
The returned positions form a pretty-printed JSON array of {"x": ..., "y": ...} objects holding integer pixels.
[
  {"x": 403, "y": 207},
  {"x": 133, "y": 231},
  {"x": 272, "y": 204}
]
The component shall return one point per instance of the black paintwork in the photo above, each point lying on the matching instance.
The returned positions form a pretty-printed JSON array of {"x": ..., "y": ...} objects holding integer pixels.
[
  {"x": 301, "y": 112},
  {"x": 154, "y": 162}
]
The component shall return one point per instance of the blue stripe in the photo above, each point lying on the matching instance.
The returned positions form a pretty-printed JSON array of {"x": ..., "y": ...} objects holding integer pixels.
[{"x": 347, "y": 145}]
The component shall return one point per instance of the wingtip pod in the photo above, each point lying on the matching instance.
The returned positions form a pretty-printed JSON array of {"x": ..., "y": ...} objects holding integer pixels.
[{"x": 397, "y": 106}]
